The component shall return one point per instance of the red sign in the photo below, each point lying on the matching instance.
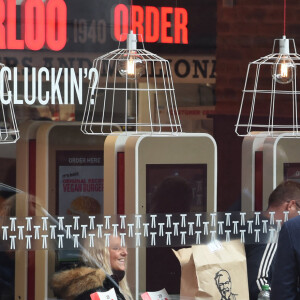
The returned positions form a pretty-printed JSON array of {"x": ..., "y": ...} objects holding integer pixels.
[
  {"x": 43, "y": 24},
  {"x": 165, "y": 24}
]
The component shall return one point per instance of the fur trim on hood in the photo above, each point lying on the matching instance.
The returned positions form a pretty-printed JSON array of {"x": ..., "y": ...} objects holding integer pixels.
[{"x": 71, "y": 283}]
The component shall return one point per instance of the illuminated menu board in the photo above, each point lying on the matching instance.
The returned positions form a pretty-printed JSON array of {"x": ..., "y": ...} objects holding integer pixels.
[{"x": 179, "y": 24}]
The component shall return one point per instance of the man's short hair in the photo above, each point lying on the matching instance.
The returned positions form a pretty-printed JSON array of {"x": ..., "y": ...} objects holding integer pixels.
[{"x": 285, "y": 191}]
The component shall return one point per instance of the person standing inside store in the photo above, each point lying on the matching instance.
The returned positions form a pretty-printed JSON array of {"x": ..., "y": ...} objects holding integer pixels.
[
  {"x": 286, "y": 271},
  {"x": 286, "y": 197},
  {"x": 173, "y": 196}
]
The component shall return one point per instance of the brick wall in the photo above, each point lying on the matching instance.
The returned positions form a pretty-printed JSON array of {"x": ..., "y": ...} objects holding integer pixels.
[{"x": 245, "y": 32}]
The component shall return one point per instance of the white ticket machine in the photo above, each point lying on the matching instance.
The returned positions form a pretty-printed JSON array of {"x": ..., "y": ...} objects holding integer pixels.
[
  {"x": 281, "y": 162},
  {"x": 64, "y": 156},
  {"x": 25, "y": 183},
  {"x": 167, "y": 174}
]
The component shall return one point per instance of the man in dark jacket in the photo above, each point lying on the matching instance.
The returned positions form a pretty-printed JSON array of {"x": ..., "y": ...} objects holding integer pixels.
[
  {"x": 286, "y": 273},
  {"x": 286, "y": 197}
]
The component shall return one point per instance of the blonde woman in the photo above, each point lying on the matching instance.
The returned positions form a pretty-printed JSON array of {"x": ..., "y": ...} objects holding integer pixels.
[{"x": 103, "y": 268}]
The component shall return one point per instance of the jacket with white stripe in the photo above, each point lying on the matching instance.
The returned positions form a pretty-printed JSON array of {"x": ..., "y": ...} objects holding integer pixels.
[{"x": 259, "y": 264}]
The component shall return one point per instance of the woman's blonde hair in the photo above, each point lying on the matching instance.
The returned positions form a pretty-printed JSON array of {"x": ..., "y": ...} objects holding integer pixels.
[{"x": 99, "y": 257}]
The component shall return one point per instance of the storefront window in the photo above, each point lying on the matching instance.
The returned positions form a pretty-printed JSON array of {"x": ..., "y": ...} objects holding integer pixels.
[{"x": 169, "y": 203}]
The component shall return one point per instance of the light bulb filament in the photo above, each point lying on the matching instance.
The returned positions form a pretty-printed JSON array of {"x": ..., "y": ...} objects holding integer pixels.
[
  {"x": 130, "y": 66},
  {"x": 284, "y": 70}
]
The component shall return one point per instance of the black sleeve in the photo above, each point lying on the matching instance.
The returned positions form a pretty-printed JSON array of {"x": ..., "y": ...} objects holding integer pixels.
[
  {"x": 259, "y": 260},
  {"x": 285, "y": 275}
]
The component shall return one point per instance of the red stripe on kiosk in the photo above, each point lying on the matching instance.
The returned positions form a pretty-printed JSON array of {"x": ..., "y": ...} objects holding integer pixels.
[{"x": 121, "y": 183}]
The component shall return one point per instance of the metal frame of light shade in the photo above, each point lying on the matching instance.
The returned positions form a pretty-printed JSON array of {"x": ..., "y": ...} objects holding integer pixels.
[
  {"x": 9, "y": 132},
  {"x": 251, "y": 95},
  {"x": 135, "y": 105}
]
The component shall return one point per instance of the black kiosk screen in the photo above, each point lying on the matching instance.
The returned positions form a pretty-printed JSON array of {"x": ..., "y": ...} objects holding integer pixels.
[{"x": 171, "y": 188}]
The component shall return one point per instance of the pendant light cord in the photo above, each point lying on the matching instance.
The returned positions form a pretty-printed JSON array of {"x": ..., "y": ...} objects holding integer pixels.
[
  {"x": 284, "y": 17},
  {"x": 130, "y": 13}
]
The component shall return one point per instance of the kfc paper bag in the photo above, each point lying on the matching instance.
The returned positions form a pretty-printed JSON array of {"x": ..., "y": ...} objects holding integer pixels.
[
  {"x": 188, "y": 282},
  {"x": 221, "y": 271}
]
